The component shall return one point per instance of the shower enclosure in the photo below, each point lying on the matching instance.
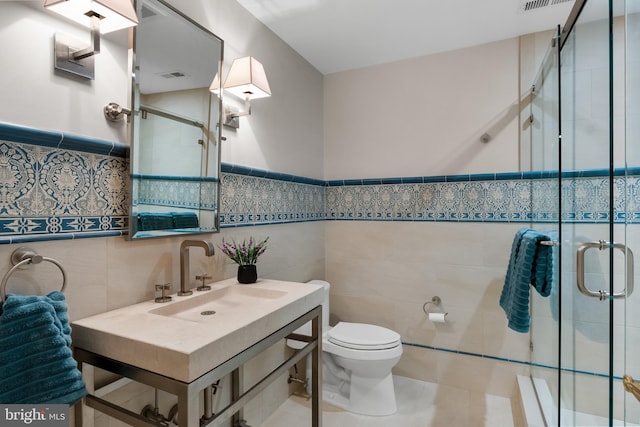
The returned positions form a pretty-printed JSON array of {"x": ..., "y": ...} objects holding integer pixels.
[{"x": 585, "y": 158}]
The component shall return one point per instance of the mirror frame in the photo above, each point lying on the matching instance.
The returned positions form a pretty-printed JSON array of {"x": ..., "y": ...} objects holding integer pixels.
[{"x": 216, "y": 121}]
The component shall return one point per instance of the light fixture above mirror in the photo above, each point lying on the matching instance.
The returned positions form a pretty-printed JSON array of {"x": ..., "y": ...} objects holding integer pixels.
[
  {"x": 101, "y": 16},
  {"x": 246, "y": 80}
]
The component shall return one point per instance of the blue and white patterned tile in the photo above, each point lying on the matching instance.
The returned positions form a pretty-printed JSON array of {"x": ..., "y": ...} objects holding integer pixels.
[
  {"x": 17, "y": 178},
  {"x": 49, "y": 191},
  {"x": 111, "y": 181},
  {"x": 46, "y": 191},
  {"x": 251, "y": 200},
  {"x": 173, "y": 192},
  {"x": 64, "y": 178}
]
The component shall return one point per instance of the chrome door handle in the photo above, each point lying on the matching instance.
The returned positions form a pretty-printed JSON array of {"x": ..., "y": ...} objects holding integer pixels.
[{"x": 603, "y": 294}]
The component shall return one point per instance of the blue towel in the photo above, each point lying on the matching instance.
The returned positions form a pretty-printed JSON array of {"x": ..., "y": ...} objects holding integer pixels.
[
  {"x": 154, "y": 221},
  {"x": 530, "y": 264},
  {"x": 184, "y": 219},
  {"x": 36, "y": 362}
]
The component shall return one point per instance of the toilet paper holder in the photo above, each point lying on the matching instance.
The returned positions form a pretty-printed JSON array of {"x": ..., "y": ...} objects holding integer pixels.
[{"x": 435, "y": 301}]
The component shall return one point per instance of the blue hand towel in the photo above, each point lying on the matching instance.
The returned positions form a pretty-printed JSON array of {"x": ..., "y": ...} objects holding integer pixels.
[
  {"x": 36, "y": 362},
  {"x": 184, "y": 219},
  {"x": 154, "y": 221},
  {"x": 530, "y": 264}
]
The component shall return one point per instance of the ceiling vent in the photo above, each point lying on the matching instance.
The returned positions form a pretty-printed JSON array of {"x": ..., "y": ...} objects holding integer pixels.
[
  {"x": 173, "y": 74},
  {"x": 146, "y": 12},
  {"x": 150, "y": 10},
  {"x": 527, "y": 5}
]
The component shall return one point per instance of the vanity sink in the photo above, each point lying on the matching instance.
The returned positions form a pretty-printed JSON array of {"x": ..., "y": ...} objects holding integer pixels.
[
  {"x": 177, "y": 340},
  {"x": 223, "y": 300}
]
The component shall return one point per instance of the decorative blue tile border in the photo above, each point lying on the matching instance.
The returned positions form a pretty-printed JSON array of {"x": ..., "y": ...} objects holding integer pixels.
[
  {"x": 509, "y": 197},
  {"x": 55, "y": 185},
  {"x": 253, "y": 197},
  {"x": 449, "y": 200},
  {"x": 45, "y": 138},
  {"x": 261, "y": 173},
  {"x": 177, "y": 192}
]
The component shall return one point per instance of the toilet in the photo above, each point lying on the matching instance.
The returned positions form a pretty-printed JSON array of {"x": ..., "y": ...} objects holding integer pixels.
[{"x": 357, "y": 359}]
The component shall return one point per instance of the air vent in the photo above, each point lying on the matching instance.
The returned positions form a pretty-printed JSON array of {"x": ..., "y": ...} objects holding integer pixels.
[
  {"x": 147, "y": 13},
  {"x": 150, "y": 10},
  {"x": 527, "y": 5},
  {"x": 173, "y": 74}
]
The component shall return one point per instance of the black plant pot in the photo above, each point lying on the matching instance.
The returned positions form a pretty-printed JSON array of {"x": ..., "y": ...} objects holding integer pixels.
[{"x": 247, "y": 273}]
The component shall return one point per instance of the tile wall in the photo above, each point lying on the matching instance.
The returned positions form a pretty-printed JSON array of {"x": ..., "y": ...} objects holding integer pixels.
[{"x": 385, "y": 254}]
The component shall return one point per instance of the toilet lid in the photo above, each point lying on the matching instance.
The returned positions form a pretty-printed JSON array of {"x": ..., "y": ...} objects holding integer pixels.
[{"x": 362, "y": 336}]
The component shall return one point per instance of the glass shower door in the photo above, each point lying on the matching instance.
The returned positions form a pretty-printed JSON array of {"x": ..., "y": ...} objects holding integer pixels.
[
  {"x": 586, "y": 336},
  {"x": 594, "y": 259}
]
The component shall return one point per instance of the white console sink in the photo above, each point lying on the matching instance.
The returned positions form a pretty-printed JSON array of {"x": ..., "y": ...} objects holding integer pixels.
[
  {"x": 221, "y": 301},
  {"x": 187, "y": 337}
]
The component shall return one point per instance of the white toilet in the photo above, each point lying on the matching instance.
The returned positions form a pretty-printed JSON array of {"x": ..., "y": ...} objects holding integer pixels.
[{"x": 356, "y": 363}]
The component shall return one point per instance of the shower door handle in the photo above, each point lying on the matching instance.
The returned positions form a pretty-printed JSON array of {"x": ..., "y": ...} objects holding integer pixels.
[
  {"x": 631, "y": 386},
  {"x": 604, "y": 294}
]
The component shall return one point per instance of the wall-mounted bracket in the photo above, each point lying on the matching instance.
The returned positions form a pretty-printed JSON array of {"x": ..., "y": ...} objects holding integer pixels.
[{"x": 65, "y": 47}]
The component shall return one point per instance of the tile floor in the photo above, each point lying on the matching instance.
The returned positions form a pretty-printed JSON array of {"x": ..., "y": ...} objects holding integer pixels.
[{"x": 420, "y": 404}]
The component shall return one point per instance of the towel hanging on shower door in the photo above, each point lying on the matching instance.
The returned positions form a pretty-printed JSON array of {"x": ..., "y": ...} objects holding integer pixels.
[{"x": 530, "y": 264}]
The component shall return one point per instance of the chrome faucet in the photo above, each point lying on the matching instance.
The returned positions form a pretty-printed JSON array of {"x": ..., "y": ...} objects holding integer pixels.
[{"x": 184, "y": 262}]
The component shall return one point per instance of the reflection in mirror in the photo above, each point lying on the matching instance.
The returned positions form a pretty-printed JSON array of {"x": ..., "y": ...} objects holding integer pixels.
[{"x": 175, "y": 153}]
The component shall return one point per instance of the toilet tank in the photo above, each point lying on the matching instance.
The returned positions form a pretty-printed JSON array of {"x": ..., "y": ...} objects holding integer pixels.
[{"x": 306, "y": 328}]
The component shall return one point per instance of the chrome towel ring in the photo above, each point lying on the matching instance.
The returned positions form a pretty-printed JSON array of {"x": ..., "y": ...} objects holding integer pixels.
[{"x": 23, "y": 256}]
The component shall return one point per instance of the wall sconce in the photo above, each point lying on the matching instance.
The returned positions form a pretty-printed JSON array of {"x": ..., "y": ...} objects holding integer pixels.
[
  {"x": 246, "y": 80},
  {"x": 101, "y": 16}
]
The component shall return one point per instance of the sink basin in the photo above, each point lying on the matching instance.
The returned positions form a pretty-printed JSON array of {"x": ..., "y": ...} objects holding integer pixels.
[
  {"x": 209, "y": 306},
  {"x": 176, "y": 340}
]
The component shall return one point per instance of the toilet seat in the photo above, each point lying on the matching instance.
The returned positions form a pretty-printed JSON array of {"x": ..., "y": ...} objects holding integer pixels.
[{"x": 361, "y": 336}]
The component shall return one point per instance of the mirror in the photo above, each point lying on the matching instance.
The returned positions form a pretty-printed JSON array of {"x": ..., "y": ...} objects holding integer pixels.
[{"x": 175, "y": 125}]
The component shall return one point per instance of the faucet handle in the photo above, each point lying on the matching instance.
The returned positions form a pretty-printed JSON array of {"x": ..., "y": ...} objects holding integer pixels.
[
  {"x": 162, "y": 287},
  {"x": 203, "y": 287}
]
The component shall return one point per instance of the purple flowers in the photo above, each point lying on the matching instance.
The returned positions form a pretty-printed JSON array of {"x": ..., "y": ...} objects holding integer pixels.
[{"x": 246, "y": 253}]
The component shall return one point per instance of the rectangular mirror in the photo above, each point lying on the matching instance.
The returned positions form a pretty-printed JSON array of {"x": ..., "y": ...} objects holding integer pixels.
[{"x": 175, "y": 125}]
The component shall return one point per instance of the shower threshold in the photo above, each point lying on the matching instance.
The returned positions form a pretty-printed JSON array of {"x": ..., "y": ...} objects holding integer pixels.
[{"x": 539, "y": 408}]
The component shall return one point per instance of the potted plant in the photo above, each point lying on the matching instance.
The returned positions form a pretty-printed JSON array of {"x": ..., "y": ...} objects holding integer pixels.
[{"x": 245, "y": 255}]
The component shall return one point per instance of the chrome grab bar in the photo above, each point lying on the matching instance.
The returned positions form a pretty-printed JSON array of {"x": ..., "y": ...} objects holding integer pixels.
[{"x": 603, "y": 294}]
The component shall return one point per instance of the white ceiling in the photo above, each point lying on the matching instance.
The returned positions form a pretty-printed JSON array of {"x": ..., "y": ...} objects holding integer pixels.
[{"x": 338, "y": 35}]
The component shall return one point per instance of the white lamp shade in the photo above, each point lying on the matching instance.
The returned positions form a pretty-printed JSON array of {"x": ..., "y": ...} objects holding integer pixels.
[
  {"x": 246, "y": 78},
  {"x": 114, "y": 14}
]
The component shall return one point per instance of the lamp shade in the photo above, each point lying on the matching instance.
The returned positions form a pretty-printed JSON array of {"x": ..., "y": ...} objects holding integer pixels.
[
  {"x": 246, "y": 78},
  {"x": 114, "y": 14}
]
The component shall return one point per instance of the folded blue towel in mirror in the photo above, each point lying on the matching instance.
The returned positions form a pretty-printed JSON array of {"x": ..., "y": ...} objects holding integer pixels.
[
  {"x": 36, "y": 362},
  {"x": 185, "y": 220},
  {"x": 530, "y": 264},
  {"x": 154, "y": 221}
]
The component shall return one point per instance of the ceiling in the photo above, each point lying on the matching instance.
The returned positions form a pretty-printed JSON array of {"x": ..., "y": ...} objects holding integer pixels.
[{"x": 339, "y": 35}]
